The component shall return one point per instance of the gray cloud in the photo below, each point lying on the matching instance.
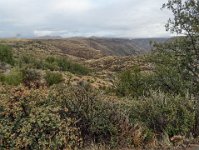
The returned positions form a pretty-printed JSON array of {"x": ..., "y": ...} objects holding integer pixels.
[{"x": 115, "y": 18}]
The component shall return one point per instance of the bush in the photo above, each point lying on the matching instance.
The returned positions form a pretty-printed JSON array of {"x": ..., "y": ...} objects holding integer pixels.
[
  {"x": 169, "y": 75},
  {"x": 26, "y": 59},
  {"x": 63, "y": 64},
  {"x": 53, "y": 78},
  {"x": 12, "y": 78},
  {"x": 55, "y": 118},
  {"x": 99, "y": 119},
  {"x": 67, "y": 65},
  {"x": 165, "y": 76},
  {"x": 50, "y": 59},
  {"x": 169, "y": 80},
  {"x": 134, "y": 82},
  {"x": 29, "y": 119},
  {"x": 6, "y": 55},
  {"x": 31, "y": 77},
  {"x": 164, "y": 113},
  {"x": 29, "y": 61},
  {"x": 79, "y": 69},
  {"x": 51, "y": 63}
]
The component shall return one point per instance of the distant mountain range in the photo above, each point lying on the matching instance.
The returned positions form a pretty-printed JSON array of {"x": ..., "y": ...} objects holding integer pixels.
[{"x": 89, "y": 48}]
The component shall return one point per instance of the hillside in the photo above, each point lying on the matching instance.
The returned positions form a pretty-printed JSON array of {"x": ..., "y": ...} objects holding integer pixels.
[
  {"x": 86, "y": 48},
  {"x": 100, "y": 57},
  {"x": 91, "y": 90},
  {"x": 90, "y": 48},
  {"x": 105, "y": 56}
]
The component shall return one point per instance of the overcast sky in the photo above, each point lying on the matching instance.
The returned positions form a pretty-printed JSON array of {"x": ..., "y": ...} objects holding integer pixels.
[{"x": 69, "y": 18}]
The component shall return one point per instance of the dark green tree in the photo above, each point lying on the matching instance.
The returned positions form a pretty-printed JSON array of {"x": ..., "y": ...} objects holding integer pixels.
[
  {"x": 185, "y": 47},
  {"x": 185, "y": 23}
]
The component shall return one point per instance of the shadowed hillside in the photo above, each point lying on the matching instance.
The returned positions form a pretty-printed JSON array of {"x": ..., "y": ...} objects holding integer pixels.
[
  {"x": 90, "y": 48},
  {"x": 87, "y": 48}
]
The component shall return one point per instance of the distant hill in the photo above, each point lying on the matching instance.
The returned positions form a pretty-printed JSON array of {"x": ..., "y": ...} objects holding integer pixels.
[
  {"x": 90, "y": 48},
  {"x": 87, "y": 48},
  {"x": 48, "y": 37},
  {"x": 144, "y": 43}
]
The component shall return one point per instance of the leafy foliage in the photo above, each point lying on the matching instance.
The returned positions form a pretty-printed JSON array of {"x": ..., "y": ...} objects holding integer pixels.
[
  {"x": 29, "y": 119},
  {"x": 66, "y": 65},
  {"x": 14, "y": 77},
  {"x": 53, "y": 78},
  {"x": 31, "y": 77},
  {"x": 54, "y": 64},
  {"x": 168, "y": 75},
  {"x": 6, "y": 54},
  {"x": 165, "y": 113},
  {"x": 79, "y": 69},
  {"x": 133, "y": 82},
  {"x": 99, "y": 119},
  {"x": 185, "y": 49},
  {"x": 185, "y": 22}
]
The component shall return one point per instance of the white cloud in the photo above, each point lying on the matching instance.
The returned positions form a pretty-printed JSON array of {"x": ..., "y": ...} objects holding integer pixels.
[
  {"x": 71, "y": 5},
  {"x": 124, "y": 18},
  {"x": 42, "y": 33}
]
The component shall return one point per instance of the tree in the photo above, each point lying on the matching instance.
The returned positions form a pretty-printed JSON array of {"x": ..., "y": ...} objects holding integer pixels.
[
  {"x": 185, "y": 23},
  {"x": 185, "y": 48}
]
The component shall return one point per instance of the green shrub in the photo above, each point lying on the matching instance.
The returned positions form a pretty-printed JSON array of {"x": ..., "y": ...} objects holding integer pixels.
[
  {"x": 99, "y": 120},
  {"x": 53, "y": 78},
  {"x": 165, "y": 76},
  {"x": 29, "y": 119},
  {"x": 29, "y": 61},
  {"x": 169, "y": 75},
  {"x": 64, "y": 64},
  {"x": 51, "y": 63},
  {"x": 38, "y": 64},
  {"x": 164, "y": 113},
  {"x": 30, "y": 76},
  {"x": 12, "y": 78},
  {"x": 79, "y": 69},
  {"x": 26, "y": 59},
  {"x": 133, "y": 82},
  {"x": 51, "y": 66},
  {"x": 169, "y": 80},
  {"x": 67, "y": 65},
  {"x": 6, "y": 54},
  {"x": 50, "y": 59}
]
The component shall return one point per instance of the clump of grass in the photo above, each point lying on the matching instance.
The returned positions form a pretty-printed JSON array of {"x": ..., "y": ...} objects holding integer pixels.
[
  {"x": 14, "y": 77},
  {"x": 53, "y": 78}
]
